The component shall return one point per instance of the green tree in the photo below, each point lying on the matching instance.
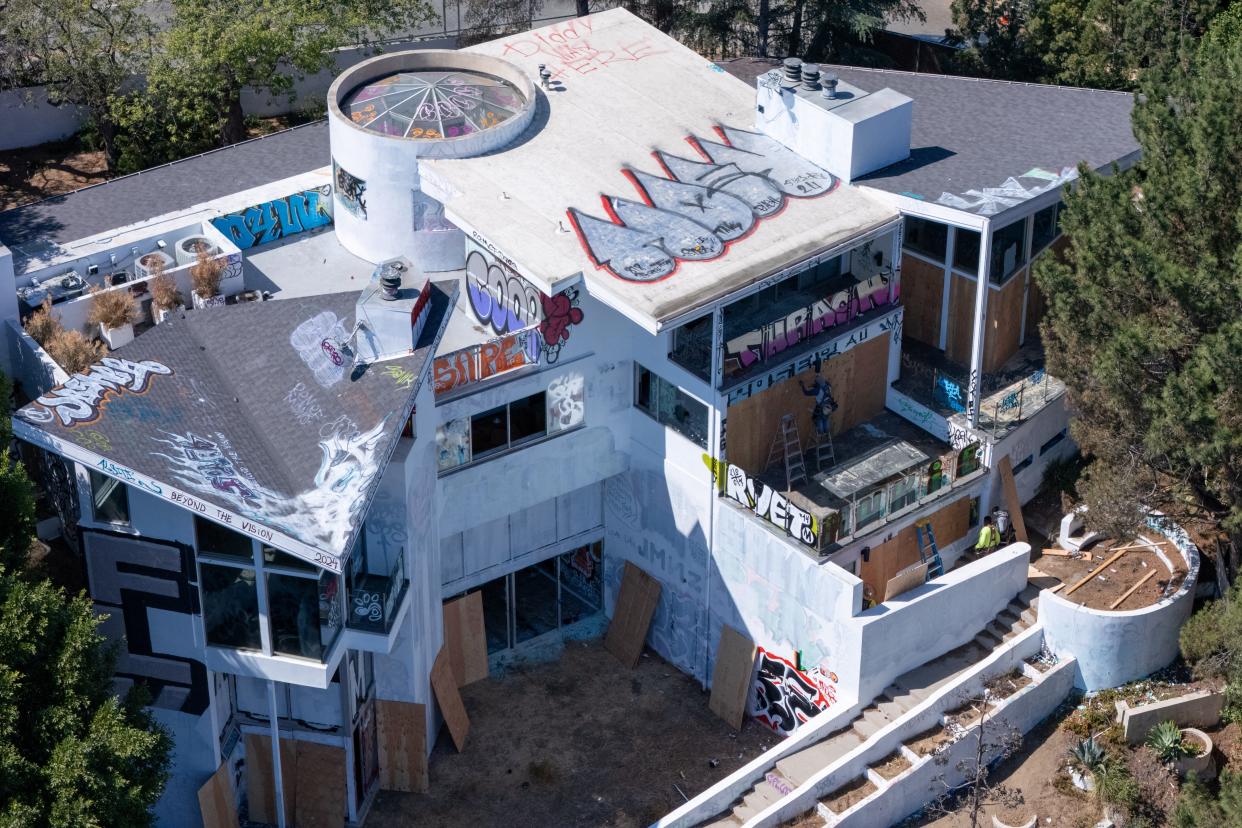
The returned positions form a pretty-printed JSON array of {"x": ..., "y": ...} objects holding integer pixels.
[
  {"x": 1143, "y": 320},
  {"x": 217, "y": 48},
  {"x": 1197, "y": 808},
  {"x": 1211, "y": 641},
  {"x": 17, "y": 501},
  {"x": 83, "y": 51},
  {"x": 1226, "y": 27}
]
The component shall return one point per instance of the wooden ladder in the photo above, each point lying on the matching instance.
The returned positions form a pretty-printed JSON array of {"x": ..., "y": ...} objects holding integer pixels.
[{"x": 787, "y": 445}]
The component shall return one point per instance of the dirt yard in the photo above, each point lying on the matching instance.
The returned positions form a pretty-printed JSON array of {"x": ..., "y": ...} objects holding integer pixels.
[
  {"x": 579, "y": 741},
  {"x": 1105, "y": 588},
  {"x": 47, "y": 170}
]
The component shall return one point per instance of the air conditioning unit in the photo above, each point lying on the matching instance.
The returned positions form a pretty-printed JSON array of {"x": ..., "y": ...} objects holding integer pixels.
[
  {"x": 187, "y": 249},
  {"x": 151, "y": 263}
]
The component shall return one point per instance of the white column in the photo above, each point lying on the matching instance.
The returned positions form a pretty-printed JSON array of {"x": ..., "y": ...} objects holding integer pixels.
[
  {"x": 979, "y": 333},
  {"x": 949, "y": 244},
  {"x": 277, "y": 782}
]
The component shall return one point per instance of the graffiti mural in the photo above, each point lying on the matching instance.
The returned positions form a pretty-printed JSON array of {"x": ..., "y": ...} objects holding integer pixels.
[
  {"x": 314, "y": 340},
  {"x": 132, "y": 581},
  {"x": 842, "y": 307},
  {"x": 574, "y": 47},
  {"x": 991, "y": 200},
  {"x": 479, "y": 362},
  {"x": 764, "y": 501},
  {"x": 429, "y": 215},
  {"x": 453, "y": 443},
  {"x": 565, "y": 404},
  {"x": 82, "y": 397},
  {"x": 500, "y": 298},
  {"x": 785, "y": 697},
  {"x": 277, "y": 219},
  {"x": 351, "y": 191},
  {"x": 701, "y": 207},
  {"x": 211, "y": 464}
]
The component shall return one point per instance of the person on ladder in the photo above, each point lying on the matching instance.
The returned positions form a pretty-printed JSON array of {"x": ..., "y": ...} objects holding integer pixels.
[
  {"x": 989, "y": 537},
  {"x": 824, "y": 404}
]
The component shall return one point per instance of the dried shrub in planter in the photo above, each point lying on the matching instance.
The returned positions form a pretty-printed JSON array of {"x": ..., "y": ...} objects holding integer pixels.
[
  {"x": 73, "y": 351},
  {"x": 112, "y": 308},
  {"x": 42, "y": 326},
  {"x": 164, "y": 293},
  {"x": 205, "y": 274}
]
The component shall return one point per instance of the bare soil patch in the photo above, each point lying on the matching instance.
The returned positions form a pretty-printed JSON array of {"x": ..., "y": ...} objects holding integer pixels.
[
  {"x": 35, "y": 173},
  {"x": 579, "y": 741},
  {"x": 892, "y": 766},
  {"x": 849, "y": 795},
  {"x": 930, "y": 741},
  {"x": 1109, "y": 585},
  {"x": 1002, "y": 687}
]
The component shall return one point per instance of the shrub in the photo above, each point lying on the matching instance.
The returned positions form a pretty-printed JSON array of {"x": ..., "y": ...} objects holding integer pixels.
[
  {"x": 1087, "y": 755},
  {"x": 164, "y": 293},
  {"x": 112, "y": 308},
  {"x": 1211, "y": 640},
  {"x": 73, "y": 351},
  {"x": 205, "y": 274},
  {"x": 1115, "y": 786},
  {"x": 41, "y": 325},
  {"x": 1197, "y": 808}
]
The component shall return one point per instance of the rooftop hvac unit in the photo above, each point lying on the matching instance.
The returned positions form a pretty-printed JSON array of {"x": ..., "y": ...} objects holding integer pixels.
[
  {"x": 150, "y": 264},
  {"x": 187, "y": 249}
]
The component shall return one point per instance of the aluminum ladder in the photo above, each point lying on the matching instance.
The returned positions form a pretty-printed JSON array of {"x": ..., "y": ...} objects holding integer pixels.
[
  {"x": 824, "y": 452},
  {"x": 787, "y": 445},
  {"x": 929, "y": 553}
]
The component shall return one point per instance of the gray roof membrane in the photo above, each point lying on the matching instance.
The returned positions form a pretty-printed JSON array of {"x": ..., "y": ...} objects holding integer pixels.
[{"x": 247, "y": 415}]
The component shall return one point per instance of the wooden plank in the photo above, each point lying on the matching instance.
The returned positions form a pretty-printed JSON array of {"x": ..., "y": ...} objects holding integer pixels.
[
  {"x": 1131, "y": 590},
  {"x": 1010, "y": 488},
  {"x": 905, "y": 580},
  {"x": 216, "y": 801},
  {"x": 1111, "y": 560},
  {"x": 451, "y": 706},
  {"x": 636, "y": 604},
  {"x": 320, "y": 786},
  {"x": 402, "y": 731},
  {"x": 732, "y": 675},
  {"x": 260, "y": 790},
  {"x": 1003, "y": 327},
  {"x": 465, "y": 638},
  {"x": 922, "y": 295},
  {"x": 1059, "y": 553}
]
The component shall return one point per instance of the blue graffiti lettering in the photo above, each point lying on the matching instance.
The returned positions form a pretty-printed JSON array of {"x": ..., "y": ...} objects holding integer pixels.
[{"x": 278, "y": 219}]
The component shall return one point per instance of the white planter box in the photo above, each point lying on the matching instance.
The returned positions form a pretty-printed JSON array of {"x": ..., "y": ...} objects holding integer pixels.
[
  {"x": 163, "y": 314},
  {"x": 209, "y": 302},
  {"x": 116, "y": 337}
]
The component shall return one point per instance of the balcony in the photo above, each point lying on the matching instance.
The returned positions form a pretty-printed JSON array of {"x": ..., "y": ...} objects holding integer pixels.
[{"x": 373, "y": 600}]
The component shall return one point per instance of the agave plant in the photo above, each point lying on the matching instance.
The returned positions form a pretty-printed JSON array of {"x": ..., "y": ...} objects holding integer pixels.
[
  {"x": 1166, "y": 740},
  {"x": 1088, "y": 755}
]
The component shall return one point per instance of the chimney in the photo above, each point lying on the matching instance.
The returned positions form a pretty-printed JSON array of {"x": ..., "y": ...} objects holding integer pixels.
[{"x": 390, "y": 314}]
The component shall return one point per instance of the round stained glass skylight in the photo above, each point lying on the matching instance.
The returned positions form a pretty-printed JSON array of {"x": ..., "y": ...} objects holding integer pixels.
[{"x": 431, "y": 104}]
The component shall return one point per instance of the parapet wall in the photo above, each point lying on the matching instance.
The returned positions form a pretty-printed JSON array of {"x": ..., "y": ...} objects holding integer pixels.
[{"x": 1115, "y": 647}]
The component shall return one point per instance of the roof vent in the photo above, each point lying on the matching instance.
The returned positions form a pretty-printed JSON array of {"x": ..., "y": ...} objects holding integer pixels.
[
  {"x": 391, "y": 312},
  {"x": 793, "y": 72},
  {"x": 830, "y": 86},
  {"x": 389, "y": 274},
  {"x": 810, "y": 76}
]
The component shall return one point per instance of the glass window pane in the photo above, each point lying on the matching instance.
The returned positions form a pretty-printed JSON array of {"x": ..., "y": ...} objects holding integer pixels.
[
  {"x": 110, "y": 498},
  {"x": 692, "y": 346},
  {"x": 644, "y": 390},
  {"x": 496, "y": 614},
  {"x": 330, "y": 602},
  {"x": 528, "y": 418},
  {"x": 293, "y": 607},
  {"x": 489, "y": 431},
  {"x": 672, "y": 407},
  {"x": 230, "y": 606},
  {"x": 927, "y": 238},
  {"x": 275, "y": 557},
  {"x": 1044, "y": 228},
  {"x": 582, "y": 583},
  {"x": 1008, "y": 251},
  {"x": 222, "y": 542},
  {"x": 534, "y": 601},
  {"x": 966, "y": 250}
]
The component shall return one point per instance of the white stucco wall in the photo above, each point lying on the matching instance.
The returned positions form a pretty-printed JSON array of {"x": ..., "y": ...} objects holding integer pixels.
[{"x": 1116, "y": 647}]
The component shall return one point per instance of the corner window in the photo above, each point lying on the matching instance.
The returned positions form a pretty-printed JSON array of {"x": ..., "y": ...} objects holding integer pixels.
[
  {"x": 670, "y": 406},
  {"x": 511, "y": 426},
  {"x": 1008, "y": 251},
  {"x": 966, "y": 251},
  {"x": 927, "y": 238},
  {"x": 692, "y": 347},
  {"x": 1044, "y": 228},
  {"x": 110, "y": 499},
  {"x": 305, "y": 613},
  {"x": 230, "y": 606}
]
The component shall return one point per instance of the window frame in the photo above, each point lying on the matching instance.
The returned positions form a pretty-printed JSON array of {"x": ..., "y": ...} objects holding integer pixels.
[
  {"x": 474, "y": 458},
  {"x": 99, "y": 479},
  {"x": 653, "y": 412},
  {"x": 921, "y": 252},
  {"x": 997, "y": 275}
]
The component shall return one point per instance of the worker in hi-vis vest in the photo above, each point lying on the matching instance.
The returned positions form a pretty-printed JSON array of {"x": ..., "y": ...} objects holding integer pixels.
[{"x": 989, "y": 537}]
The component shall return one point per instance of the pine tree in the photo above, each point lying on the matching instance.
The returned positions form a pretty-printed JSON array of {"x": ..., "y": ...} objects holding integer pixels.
[{"x": 1143, "y": 321}]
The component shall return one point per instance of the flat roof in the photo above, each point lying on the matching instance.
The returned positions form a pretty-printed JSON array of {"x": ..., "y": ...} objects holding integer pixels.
[
  {"x": 622, "y": 91},
  {"x": 982, "y": 146},
  {"x": 240, "y": 414}
]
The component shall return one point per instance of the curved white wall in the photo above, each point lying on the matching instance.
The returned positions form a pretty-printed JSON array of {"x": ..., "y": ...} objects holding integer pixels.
[
  {"x": 1116, "y": 647},
  {"x": 388, "y": 166}
]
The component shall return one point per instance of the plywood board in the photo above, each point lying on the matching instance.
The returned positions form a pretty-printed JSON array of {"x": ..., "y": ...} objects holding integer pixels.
[
  {"x": 402, "y": 728},
  {"x": 1003, "y": 324},
  {"x": 961, "y": 319},
  {"x": 260, "y": 791},
  {"x": 732, "y": 675},
  {"x": 922, "y": 295},
  {"x": 320, "y": 786},
  {"x": 216, "y": 800},
  {"x": 1010, "y": 489},
  {"x": 905, "y": 580},
  {"x": 465, "y": 638},
  {"x": 451, "y": 706},
  {"x": 949, "y": 523},
  {"x": 636, "y": 604}
]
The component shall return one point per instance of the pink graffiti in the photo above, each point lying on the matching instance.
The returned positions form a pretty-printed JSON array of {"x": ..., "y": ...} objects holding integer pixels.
[{"x": 572, "y": 47}]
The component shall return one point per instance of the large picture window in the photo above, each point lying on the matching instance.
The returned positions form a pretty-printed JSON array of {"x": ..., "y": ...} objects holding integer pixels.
[
  {"x": 1044, "y": 228},
  {"x": 966, "y": 251},
  {"x": 927, "y": 238},
  {"x": 1008, "y": 251},
  {"x": 512, "y": 425},
  {"x": 230, "y": 606},
  {"x": 670, "y": 406}
]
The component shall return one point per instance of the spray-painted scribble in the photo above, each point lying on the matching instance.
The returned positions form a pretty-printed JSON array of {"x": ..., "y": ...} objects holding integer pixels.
[
  {"x": 314, "y": 340},
  {"x": 429, "y": 215},
  {"x": 277, "y": 219},
  {"x": 302, "y": 404},
  {"x": 83, "y": 397},
  {"x": 694, "y": 212},
  {"x": 991, "y": 200},
  {"x": 764, "y": 501},
  {"x": 351, "y": 191},
  {"x": 785, "y": 697},
  {"x": 565, "y": 405}
]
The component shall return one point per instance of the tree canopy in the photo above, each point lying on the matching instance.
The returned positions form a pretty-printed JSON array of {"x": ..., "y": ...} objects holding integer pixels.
[{"x": 1143, "y": 321}]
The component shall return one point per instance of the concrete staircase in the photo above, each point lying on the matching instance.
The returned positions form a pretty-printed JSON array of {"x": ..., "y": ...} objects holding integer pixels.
[{"x": 905, "y": 693}]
